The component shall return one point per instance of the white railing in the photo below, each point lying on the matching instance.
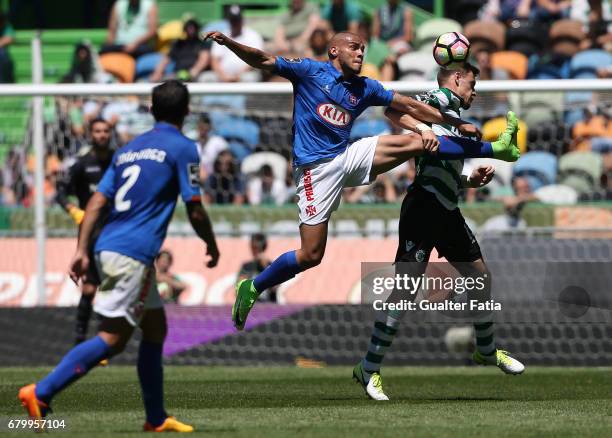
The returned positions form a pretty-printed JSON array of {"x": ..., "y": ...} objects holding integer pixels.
[{"x": 285, "y": 88}]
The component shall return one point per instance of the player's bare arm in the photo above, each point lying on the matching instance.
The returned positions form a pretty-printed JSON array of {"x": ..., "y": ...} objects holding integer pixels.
[
  {"x": 406, "y": 121},
  {"x": 201, "y": 224},
  {"x": 429, "y": 114},
  {"x": 254, "y": 57},
  {"x": 80, "y": 261}
]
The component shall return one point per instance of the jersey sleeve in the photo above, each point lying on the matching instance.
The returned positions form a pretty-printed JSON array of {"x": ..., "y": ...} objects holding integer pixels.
[
  {"x": 378, "y": 95},
  {"x": 292, "y": 68},
  {"x": 107, "y": 186},
  {"x": 188, "y": 169}
]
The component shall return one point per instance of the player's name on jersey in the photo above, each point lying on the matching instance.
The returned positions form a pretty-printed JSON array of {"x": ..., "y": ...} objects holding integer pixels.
[
  {"x": 144, "y": 154},
  {"x": 445, "y": 306}
]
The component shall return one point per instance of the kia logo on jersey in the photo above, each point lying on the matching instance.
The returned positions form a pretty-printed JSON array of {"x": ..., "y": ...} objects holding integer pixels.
[{"x": 334, "y": 114}]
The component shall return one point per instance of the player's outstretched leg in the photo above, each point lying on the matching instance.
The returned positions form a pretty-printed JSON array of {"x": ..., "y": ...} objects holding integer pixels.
[
  {"x": 151, "y": 374},
  {"x": 36, "y": 398},
  {"x": 285, "y": 267},
  {"x": 393, "y": 150},
  {"x": 505, "y": 148}
]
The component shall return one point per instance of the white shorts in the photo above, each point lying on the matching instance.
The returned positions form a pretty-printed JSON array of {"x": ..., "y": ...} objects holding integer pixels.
[
  {"x": 127, "y": 287},
  {"x": 319, "y": 185}
]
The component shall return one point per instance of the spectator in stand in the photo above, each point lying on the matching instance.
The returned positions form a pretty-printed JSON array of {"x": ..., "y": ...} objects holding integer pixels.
[
  {"x": 266, "y": 189},
  {"x": 596, "y": 127},
  {"x": 169, "y": 285},
  {"x": 379, "y": 61},
  {"x": 225, "y": 185},
  {"x": 551, "y": 10},
  {"x": 506, "y": 10},
  {"x": 190, "y": 56},
  {"x": 392, "y": 23},
  {"x": 317, "y": 46},
  {"x": 251, "y": 268},
  {"x": 7, "y": 37},
  {"x": 132, "y": 27},
  {"x": 483, "y": 60},
  {"x": 596, "y": 16},
  {"x": 341, "y": 15},
  {"x": 82, "y": 68},
  {"x": 226, "y": 66},
  {"x": 209, "y": 146},
  {"x": 296, "y": 27}
]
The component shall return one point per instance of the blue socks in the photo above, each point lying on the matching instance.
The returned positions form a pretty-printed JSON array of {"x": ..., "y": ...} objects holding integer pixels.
[
  {"x": 75, "y": 364},
  {"x": 151, "y": 376},
  {"x": 280, "y": 270},
  {"x": 454, "y": 148}
]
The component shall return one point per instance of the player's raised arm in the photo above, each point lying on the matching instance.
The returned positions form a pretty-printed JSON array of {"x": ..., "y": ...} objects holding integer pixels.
[
  {"x": 254, "y": 57},
  {"x": 426, "y": 113},
  {"x": 406, "y": 121}
]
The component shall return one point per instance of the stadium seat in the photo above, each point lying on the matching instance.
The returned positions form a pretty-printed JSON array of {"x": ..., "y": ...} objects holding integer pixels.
[
  {"x": 429, "y": 31},
  {"x": 503, "y": 222},
  {"x": 168, "y": 33},
  {"x": 368, "y": 128},
  {"x": 145, "y": 65},
  {"x": 120, "y": 65},
  {"x": 485, "y": 35},
  {"x": 255, "y": 161},
  {"x": 540, "y": 168},
  {"x": 584, "y": 65},
  {"x": 417, "y": 66},
  {"x": 525, "y": 38},
  {"x": 557, "y": 194},
  {"x": 241, "y": 134},
  {"x": 492, "y": 128},
  {"x": 581, "y": 170},
  {"x": 515, "y": 63},
  {"x": 565, "y": 37},
  {"x": 226, "y": 101}
]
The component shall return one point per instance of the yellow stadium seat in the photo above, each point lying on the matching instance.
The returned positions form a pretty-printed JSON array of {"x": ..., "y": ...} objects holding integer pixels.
[
  {"x": 492, "y": 129},
  {"x": 168, "y": 33}
]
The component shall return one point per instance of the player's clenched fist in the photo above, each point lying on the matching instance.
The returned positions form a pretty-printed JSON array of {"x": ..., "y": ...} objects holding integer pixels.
[{"x": 216, "y": 36}]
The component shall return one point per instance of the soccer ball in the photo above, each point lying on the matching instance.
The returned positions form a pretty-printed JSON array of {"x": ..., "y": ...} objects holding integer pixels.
[
  {"x": 459, "y": 339},
  {"x": 451, "y": 50}
]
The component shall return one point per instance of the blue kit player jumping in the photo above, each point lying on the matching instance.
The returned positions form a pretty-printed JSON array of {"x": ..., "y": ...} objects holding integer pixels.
[
  {"x": 328, "y": 97},
  {"x": 142, "y": 184}
]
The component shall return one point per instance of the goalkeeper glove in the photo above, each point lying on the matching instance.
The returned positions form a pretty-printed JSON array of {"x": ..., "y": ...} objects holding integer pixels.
[{"x": 76, "y": 214}]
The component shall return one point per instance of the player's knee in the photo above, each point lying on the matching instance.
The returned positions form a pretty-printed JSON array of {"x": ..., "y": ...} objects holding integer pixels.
[{"x": 311, "y": 257}]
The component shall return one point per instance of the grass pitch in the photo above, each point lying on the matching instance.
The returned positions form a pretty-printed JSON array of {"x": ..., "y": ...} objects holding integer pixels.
[{"x": 286, "y": 401}]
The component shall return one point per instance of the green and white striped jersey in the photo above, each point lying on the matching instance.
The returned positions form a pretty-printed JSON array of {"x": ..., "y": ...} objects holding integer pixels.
[{"x": 441, "y": 177}]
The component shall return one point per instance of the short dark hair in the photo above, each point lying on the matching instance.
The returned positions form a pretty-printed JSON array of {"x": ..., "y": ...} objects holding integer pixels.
[
  {"x": 260, "y": 240},
  {"x": 466, "y": 67},
  {"x": 170, "y": 102},
  {"x": 97, "y": 120}
]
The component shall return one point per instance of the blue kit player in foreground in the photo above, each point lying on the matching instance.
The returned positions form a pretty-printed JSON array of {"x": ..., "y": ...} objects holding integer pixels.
[
  {"x": 328, "y": 97},
  {"x": 142, "y": 184}
]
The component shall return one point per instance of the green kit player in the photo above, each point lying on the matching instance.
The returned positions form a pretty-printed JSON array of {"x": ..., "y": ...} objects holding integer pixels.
[{"x": 431, "y": 219}]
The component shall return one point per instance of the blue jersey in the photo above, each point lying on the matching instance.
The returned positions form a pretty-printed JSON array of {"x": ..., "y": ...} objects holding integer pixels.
[
  {"x": 143, "y": 183},
  {"x": 325, "y": 106}
]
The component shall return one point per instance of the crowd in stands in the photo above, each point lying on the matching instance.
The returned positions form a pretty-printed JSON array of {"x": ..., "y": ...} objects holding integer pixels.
[{"x": 566, "y": 137}]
